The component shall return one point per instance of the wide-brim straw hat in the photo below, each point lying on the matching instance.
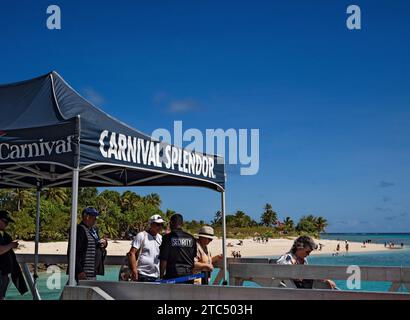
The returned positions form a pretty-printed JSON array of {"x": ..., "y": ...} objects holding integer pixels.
[{"x": 206, "y": 232}]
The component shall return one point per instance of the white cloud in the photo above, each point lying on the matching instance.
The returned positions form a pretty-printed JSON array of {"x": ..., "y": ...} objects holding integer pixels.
[{"x": 184, "y": 105}]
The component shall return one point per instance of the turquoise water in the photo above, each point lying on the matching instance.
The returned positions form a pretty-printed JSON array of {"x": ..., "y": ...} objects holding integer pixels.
[
  {"x": 385, "y": 258},
  {"x": 111, "y": 274},
  {"x": 390, "y": 258},
  {"x": 382, "y": 238}
]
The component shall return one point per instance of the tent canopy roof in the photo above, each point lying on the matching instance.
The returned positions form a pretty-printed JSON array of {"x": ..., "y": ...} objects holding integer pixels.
[{"x": 47, "y": 129}]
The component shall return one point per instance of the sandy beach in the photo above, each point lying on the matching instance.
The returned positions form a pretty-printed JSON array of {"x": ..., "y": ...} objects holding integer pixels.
[{"x": 250, "y": 248}]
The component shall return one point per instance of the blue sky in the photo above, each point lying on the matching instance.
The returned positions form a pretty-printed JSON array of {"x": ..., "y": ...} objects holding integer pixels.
[{"x": 332, "y": 105}]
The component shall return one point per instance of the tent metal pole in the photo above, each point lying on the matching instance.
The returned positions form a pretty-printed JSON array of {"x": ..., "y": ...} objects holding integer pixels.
[
  {"x": 225, "y": 258},
  {"x": 37, "y": 240},
  {"x": 73, "y": 227}
]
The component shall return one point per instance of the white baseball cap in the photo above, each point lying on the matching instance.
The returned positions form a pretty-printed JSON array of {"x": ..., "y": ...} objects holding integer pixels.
[{"x": 156, "y": 218}]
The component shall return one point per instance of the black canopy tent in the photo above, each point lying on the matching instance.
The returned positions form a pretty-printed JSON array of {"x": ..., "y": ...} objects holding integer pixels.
[{"x": 50, "y": 136}]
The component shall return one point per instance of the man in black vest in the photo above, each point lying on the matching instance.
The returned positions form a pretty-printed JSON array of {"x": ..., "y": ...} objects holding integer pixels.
[
  {"x": 177, "y": 252},
  {"x": 6, "y": 247},
  {"x": 90, "y": 249}
]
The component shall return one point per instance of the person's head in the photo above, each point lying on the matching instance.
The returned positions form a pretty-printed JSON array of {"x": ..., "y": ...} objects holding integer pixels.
[
  {"x": 176, "y": 221},
  {"x": 155, "y": 224},
  {"x": 89, "y": 216},
  {"x": 205, "y": 235},
  {"x": 303, "y": 246},
  {"x": 5, "y": 219}
]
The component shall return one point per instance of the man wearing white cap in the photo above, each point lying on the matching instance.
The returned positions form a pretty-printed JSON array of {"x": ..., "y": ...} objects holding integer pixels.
[{"x": 144, "y": 253}]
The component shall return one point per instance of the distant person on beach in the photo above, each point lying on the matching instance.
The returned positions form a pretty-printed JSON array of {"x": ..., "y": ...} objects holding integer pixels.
[
  {"x": 301, "y": 249},
  {"x": 204, "y": 261},
  {"x": 402, "y": 244},
  {"x": 177, "y": 252},
  {"x": 338, "y": 247},
  {"x": 90, "y": 249},
  {"x": 144, "y": 252},
  {"x": 347, "y": 246},
  {"x": 8, "y": 261}
]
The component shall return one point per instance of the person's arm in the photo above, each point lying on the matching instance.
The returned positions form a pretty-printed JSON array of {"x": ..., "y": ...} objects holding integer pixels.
[
  {"x": 133, "y": 256},
  {"x": 163, "y": 255},
  {"x": 135, "y": 251},
  {"x": 203, "y": 266},
  {"x": 217, "y": 259},
  {"x": 331, "y": 284},
  {"x": 7, "y": 247},
  {"x": 81, "y": 248},
  {"x": 103, "y": 241},
  {"x": 162, "y": 268}
]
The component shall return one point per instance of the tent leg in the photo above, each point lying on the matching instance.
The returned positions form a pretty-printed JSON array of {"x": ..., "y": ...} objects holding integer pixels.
[
  {"x": 225, "y": 258},
  {"x": 73, "y": 227},
  {"x": 37, "y": 240}
]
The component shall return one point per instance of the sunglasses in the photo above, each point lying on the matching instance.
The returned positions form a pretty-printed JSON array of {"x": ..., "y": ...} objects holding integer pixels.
[
  {"x": 158, "y": 224},
  {"x": 309, "y": 251}
]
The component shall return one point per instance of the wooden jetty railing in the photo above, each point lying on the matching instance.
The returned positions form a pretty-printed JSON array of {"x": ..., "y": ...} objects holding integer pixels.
[{"x": 269, "y": 275}]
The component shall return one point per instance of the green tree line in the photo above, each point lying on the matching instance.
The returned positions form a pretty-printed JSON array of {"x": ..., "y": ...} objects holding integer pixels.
[{"x": 123, "y": 214}]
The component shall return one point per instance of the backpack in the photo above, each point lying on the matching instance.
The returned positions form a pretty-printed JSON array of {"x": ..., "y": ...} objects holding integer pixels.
[{"x": 125, "y": 270}]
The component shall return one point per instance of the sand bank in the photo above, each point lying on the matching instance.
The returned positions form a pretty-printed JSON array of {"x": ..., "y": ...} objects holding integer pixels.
[{"x": 250, "y": 248}]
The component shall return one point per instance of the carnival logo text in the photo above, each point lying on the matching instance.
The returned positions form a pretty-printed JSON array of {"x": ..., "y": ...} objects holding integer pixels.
[
  {"x": 156, "y": 154},
  {"x": 41, "y": 148}
]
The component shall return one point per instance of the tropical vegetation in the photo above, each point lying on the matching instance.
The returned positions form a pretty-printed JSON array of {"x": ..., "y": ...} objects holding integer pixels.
[{"x": 124, "y": 214}]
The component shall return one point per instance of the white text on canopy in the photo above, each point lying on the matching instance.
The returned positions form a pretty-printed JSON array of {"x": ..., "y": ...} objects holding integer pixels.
[{"x": 148, "y": 153}]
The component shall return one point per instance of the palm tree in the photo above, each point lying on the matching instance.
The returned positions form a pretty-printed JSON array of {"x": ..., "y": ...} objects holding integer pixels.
[
  {"x": 58, "y": 195},
  {"x": 86, "y": 196},
  {"x": 269, "y": 216},
  {"x": 21, "y": 196},
  {"x": 111, "y": 195},
  {"x": 217, "y": 219},
  {"x": 129, "y": 201},
  {"x": 169, "y": 213},
  {"x": 153, "y": 199},
  {"x": 321, "y": 224},
  {"x": 289, "y": 224},
  {"x": 102, "y": 204},
  {"x": 241, "y": 219}
]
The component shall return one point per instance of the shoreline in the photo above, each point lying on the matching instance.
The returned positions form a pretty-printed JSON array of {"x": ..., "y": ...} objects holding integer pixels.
[{"x": 250, "y": 248}]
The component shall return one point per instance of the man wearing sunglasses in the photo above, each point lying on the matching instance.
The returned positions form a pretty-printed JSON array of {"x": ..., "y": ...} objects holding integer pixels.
[
  {"x": 301, "y": 249},
  {"x": 6, "y": 247}
]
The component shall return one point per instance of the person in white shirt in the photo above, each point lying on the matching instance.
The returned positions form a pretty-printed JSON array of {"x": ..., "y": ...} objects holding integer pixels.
[
  {"x": 144, "y": 252},
  {"x": 301, "y": 249}
]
